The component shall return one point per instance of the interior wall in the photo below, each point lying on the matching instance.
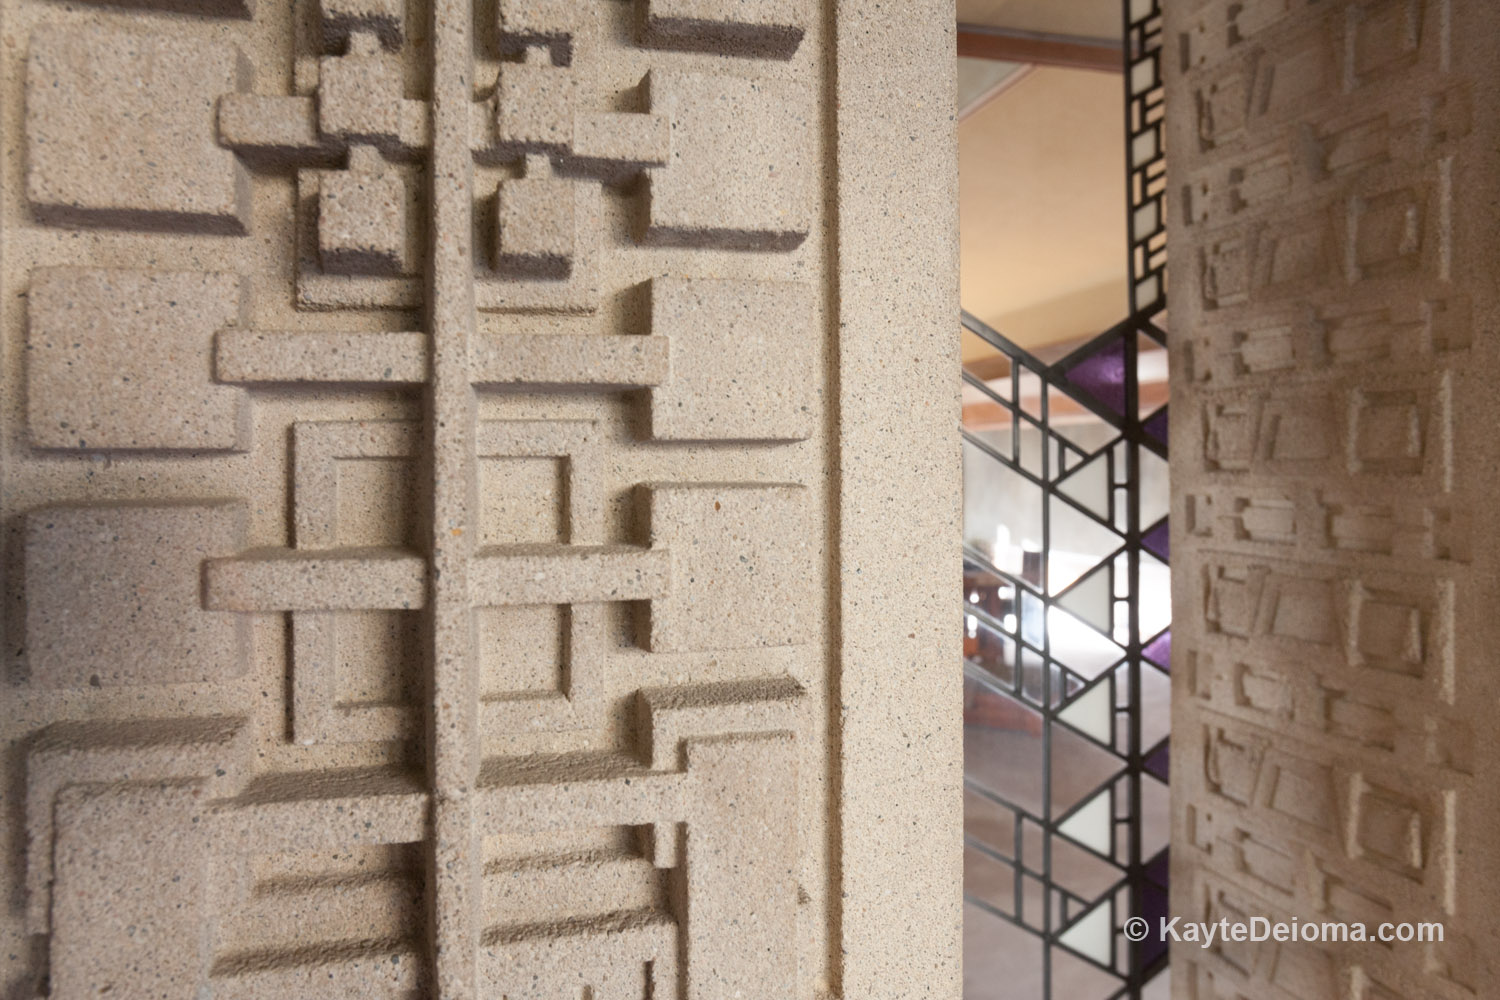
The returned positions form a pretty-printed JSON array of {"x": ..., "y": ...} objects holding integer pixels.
[{"x": 1333, "y": 170}]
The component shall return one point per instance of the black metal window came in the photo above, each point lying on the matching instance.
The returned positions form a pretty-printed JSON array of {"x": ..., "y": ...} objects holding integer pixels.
[{"x": 1066, "y": 626}]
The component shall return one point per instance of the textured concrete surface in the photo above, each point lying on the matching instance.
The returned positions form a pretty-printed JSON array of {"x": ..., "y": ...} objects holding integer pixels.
[
  {"x": 1333, "y": 456},
  {"x": 480, "y": 500}
]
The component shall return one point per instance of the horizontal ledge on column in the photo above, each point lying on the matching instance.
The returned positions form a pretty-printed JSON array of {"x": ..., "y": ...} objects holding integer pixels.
[
  {"x": 266, "y": 356},
  {"x": 280, "y": 127},
  {"x": 369, "y": 579},
  {"x": 521, "y": 359},
  {"x": 571, "y": 359},
  {"x": 567, "y": 574},
  {"x": 286, "y": 125},
  {"x": 293, "y": 811}
]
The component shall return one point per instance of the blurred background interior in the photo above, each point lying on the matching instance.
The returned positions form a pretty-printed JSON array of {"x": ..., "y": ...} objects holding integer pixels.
[{"x": 1045, "y": 263}]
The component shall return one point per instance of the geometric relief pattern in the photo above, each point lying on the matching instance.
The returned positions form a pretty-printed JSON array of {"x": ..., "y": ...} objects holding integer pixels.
[
  {"x": 1332, "y": 651},
  {"x": 1072, "y": 646},
  {"x": 417, "y": 457}
]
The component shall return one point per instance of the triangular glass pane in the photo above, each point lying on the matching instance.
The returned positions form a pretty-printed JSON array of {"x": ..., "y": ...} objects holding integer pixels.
[
  {"x": 1091, "y": 599},
  {"x": 1156, "y": 705},
  {"x": 1079, "y": 543},
  {"x": 1102, "y": 374},
  {"x": 1151, "y": 366},
  {"x": 1156, "y": 496},
  {"x": 1159, "y": 651},
  {"x": 1091, "y": 713},
  {"x": 1159, "y": 761},
  {"x": 1155, "y": 608},
  {"x": 1155, "y": 426},
  {"x": 1079, "y": 425},
  {"x": 1092, "y": 935},
  {"x": 1081, "y": 873},
  {"x": 1082, "y": 648},
  {"x": 1080, "y": 768},
  {"x": 1155, "y": 907},
  {"x": 1089, "y": 485},
  {"x": 1156, "y": 815},
  {"x": 1157, "y": 539},
  {"x": 1092, "y": 825},
  {"x": 1002, "y": 509}
]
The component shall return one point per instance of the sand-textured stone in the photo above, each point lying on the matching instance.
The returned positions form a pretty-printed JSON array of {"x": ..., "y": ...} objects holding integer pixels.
[
  {"x": 131, "y": 857},
  {"x": 741, "y": 573},
  {"x": 359, "y": 97},
  {"x": 120, "y": 131},
  {"x": 362, "y": 217},
  {"x": 739, "y": 350},
  {"x": 115, "y": 595},
  {"x": 449, "y": 509},
  {"x": 340, "y": 18},
  {"x": 1333, "y": 468},
  {"x": 737, "y": 177},
  {"x": 537, "y": 230},
  {"x": 120, "y": 360},
  {"x": 768, "y": 28}
]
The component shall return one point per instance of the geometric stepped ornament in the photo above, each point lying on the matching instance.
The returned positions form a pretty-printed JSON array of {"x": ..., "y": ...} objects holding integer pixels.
[{"x": 452, "y": 452}]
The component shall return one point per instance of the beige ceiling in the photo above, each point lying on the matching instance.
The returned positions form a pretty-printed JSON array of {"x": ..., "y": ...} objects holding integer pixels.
[
  {"x": 980, "y": 78},
  {"x": 1092, "y": 18},
  {"x": 1042, "y": 201}
]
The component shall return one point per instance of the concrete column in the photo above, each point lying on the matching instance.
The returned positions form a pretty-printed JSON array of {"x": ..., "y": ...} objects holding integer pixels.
[
  {"x": 1334, "y": 456},
  {"x": 481, "y": 495}
]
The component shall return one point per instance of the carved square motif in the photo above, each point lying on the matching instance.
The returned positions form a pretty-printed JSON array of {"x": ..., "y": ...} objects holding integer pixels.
[
  {"x": 742, "y": 572},
  {"x": 739, "y": 176},
  {"x": 360, "y": 97},
  {"x": 120, "y": 359},
  {"x": 113, "y": 595},
  {"x": 120, "y": 131},
  {"x": 522, "y": 650},
  {"x": 537, "y": 483},
  {"x": 362, "y": 217},
  {"x": 537, "y": 230},
  {"x": 354, "y": 484},
  {"x": 378, "y": 658},
  {"x": 1390, "y": 827},
  {"x": 1384, "y": 35},
  {"x": 523, "y": 500},
  {"x": 740, "y": 351},
  {"x": 1387, "y": 232},
  {"x": 1390, "y": 433}
]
